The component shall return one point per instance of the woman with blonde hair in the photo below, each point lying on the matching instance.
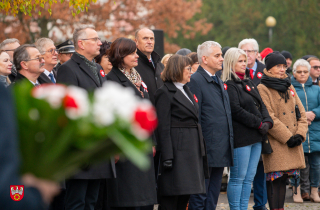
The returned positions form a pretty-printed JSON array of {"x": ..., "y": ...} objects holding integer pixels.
[
  {"x": 165, "y": 59},
  {"x": 5, "y": 68},
  {"x": 250, "y": 121}
]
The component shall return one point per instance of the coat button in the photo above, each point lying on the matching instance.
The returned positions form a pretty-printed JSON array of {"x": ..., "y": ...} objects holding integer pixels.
[
  {"x": 287, "y": 127},
  {"x": 294, "y": 124},
  {"x": 291, "y": 111},
  {"x": 284, "y": 113}
]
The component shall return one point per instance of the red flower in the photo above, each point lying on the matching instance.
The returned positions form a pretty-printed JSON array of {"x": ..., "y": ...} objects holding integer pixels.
[
  {"x": 146, "y": 118},
  {"x": 225, "y": 86},
  {"x": 248, "y": 88},
  {"x": 195, "y": 98},
  {"x": 69, "y": 102},
  {"x": 259, "y": 75},
  {"x": 102, "y": 73},
  {"x": 292, "y": 92}
]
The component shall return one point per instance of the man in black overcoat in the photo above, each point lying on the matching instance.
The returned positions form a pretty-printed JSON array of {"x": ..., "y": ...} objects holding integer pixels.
[
  {"x": 254, "y": 71},
  {"x": 81, "y": 70},
  {"x": 215, "y": 119}
]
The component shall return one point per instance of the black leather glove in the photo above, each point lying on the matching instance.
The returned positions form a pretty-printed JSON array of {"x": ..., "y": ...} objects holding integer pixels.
[
  {"x": 264, "y": 128},
  {"x": 292, "y": 142},
  {"x": 298, "y": 139},
  {"x": 167, "y": 164}
]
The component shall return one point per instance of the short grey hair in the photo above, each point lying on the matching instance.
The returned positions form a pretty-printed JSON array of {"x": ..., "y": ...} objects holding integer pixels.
[
  {"x": 301, "y": 62},
  {"x": 21, "y": 54},
  {"x": 42, "y": 43},
  {"x": 205, "y": 49},
  {"x": 251, "y": 41},
  {"x": 8, "y": 41},
  {"x": 80, "y": 33}
]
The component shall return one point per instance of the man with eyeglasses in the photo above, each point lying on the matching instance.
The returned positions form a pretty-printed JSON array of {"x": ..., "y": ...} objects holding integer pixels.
[
  {"x": 315, "y": 70},
  {"x": 65, "y": 51},
  {"x": 29, "y": 63},
  {"x": 254, "y": 67},
  {"x": 254, "y": 71},
  {"x": 49, "y": 53},
  {"x": 9, "y": 45},
  {"x": 83, "y": 188}
]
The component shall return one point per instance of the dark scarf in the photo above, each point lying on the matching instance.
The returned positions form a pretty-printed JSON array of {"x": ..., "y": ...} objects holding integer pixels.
[
  {"x": 92, "y": 66},
  {"x": 281, "y": 85}
]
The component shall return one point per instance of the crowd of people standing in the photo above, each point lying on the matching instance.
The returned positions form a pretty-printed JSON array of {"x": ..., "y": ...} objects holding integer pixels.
[{"x": 216, "y": 108}]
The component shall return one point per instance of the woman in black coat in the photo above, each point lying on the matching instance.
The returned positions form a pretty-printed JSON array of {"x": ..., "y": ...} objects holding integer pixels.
[
  {"x": 132, "y": 189},
  {"x": 183, "y": 155},
  {"x": 250, "y": 121}
]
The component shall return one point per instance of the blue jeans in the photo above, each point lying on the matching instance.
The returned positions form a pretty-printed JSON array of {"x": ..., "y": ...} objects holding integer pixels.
[
  {"x": 209, "y": 200},
  {"x": 314, "y": 162},
  {"x": 246, "y": 160}
]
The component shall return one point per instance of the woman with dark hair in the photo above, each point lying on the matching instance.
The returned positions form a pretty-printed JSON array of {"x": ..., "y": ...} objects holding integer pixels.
[
  {"x": 183, "y": 165},
  {"x": 132, "y": 189},
  {"x": 195, "y": 63},
  {"x": 288, "y": 131},
  {"x": 103, "y": 59}
]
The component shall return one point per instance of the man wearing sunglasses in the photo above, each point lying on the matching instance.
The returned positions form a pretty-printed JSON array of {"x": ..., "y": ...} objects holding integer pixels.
[
  {"x": 49, "y": 52},
  {"x": 315, "y": 70},
  {"x": 9, "y": 45},
  {"x": 29, "y": 63}
]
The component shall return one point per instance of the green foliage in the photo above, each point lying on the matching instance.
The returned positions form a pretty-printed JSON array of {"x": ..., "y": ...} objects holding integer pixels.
[
  {"x": 297, "y": 29},
  {"x": 25, "y": 6}
]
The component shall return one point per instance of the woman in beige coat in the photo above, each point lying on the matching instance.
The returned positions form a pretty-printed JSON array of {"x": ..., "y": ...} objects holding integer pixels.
[{"x": 288, "y": 132}]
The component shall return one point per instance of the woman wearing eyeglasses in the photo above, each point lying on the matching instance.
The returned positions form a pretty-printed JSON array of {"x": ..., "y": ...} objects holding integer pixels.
[
  {"x": 288, "y": 131},
  {"x": 5, "y": 68},
  {"x": 183, "y": 155},
  {"x": 310, "y": 97}
]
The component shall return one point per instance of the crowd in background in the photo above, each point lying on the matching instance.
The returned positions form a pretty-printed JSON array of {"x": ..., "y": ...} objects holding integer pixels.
[{"x": 218, "y": 107}]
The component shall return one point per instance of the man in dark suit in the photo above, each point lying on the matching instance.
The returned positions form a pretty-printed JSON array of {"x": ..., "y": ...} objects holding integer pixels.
[
  {"x": 37, "y": 192},
  {"x": 48, "y": 51},
  {"x": 149, "y": 67},
  {"x": 29, "y": 63},
  {"x": 254, "y": 71},
  {"x": 81, "y": 70},
  {"x": 254, "y": 67},
  {"x": 215, "y": 119}
]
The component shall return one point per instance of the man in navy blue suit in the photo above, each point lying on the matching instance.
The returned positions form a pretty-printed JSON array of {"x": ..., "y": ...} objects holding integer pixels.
[{"x": 215, "y": 119}]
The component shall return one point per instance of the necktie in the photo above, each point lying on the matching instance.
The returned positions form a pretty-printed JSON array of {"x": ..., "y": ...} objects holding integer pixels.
[
  {"x": 151, "y": 62},
  {"x": 215, "y": 79},
  {"x": 251, "y": 73},
  {"x": 52, "y": 78}
]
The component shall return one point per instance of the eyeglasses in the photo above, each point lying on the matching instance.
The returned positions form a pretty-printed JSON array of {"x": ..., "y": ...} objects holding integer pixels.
[
  {"x": 250, "y": 51},
  {"x": 38, "y": 58},
  {"x": 188, "y": 68},
  {"x": 300, "y": 72},
  {"x": 10, "y": 50},
  {"x": 94, "y": 39},
  {"x": 52, "y": 51},
  {"x": 316, "y": 67},
  {"x": 281, "y": 67}
]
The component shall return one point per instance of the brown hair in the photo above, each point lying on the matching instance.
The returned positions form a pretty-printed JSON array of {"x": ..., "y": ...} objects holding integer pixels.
[
  {"x": 312, "y": 59},
  {"x": 173, "y": 72},
  {"x": 194, "y": 57},
  {"x": 119, "y": 49}
]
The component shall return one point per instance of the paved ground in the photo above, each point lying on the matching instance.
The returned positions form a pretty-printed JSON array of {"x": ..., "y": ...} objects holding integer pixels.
[{"x": 289, "y": 205}]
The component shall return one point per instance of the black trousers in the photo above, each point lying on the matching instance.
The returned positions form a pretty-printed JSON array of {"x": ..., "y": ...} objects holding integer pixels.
[
  {"x": 81, "y": 194},
  {"x": 178, "y": 202},
  {"x": 133, "y": 208}
]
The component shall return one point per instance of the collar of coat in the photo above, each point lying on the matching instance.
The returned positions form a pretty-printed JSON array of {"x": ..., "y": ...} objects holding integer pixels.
[
  {"x": 206, "y": 75},
  {"x": 155, "y": 57}
]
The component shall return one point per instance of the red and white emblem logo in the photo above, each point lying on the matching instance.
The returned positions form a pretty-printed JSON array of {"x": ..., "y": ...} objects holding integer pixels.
[
  {"x": 225, "y": 86},
  {"x": 16, "y": 192},
  {"x": 292, "y": 92},
  {"x": 102, "y": 73},
  {"x": 195, "y": 98},
  {"x": 248, "y": 88},
  {"x": 259, "y": 75},
  {"x": 144, "y": 86}
]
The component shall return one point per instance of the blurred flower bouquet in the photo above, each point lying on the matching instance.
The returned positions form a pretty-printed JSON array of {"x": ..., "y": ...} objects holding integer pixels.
[{"x": 64, "y": 128}]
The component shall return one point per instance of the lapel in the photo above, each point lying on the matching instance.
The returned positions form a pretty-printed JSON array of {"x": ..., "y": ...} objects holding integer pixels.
[
  {"x": 205, "y": 74},
  {"x": 181, "y": 98},
  {"x": 43, "y": 78},
  {"x": 83, "y": 66},
  {"x": 260, "y": 68},
  {"x": 125, "y": 81}
]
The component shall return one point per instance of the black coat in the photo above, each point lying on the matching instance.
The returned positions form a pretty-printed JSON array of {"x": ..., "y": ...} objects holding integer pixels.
[
  {"x": 215, "y": 118},
  {"x": 76, "y": 72},
  {"x": 149, "y": 74},
  {"x": 257, "y": 77},
  {"x": 132, "y": 187},
  {"x": 44, "y": 79},
  {"x": 180, "y": 140},
  {"x": 248, "y": 111}
]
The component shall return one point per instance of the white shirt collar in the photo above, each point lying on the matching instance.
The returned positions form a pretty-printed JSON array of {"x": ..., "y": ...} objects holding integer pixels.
[
  {"x": 46, "y": 72},
  {"x": 209, "y": 73},
  {"x": 37, "y": 83},
  {"x": 179, "y": 85}
]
